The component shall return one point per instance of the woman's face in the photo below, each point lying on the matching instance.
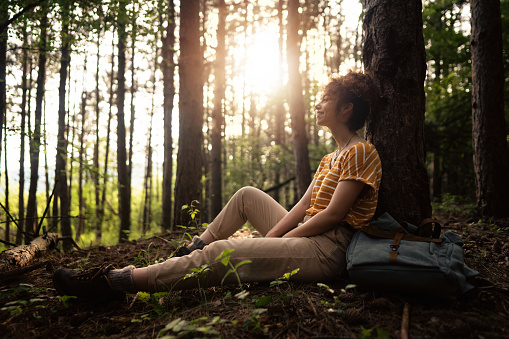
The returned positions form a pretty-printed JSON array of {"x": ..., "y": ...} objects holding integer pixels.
[{"x": 326, "y": 110}]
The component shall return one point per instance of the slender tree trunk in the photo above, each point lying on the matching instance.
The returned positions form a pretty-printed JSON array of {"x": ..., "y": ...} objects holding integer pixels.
[
  {"x": 168, "y": 67},
  {"x": 80, "y": 229},
  {"x": 46, "y": 167},
  {"x": 36, "y": 137},
  {"x": 123, "y": 172},
  {"x": 491, "y": 160},
  {"x": 297, "y": 107},
  {"x": 24, "y": 89},
  {"x": 62, "y": 191},
  {"x": 148, "y": 179},
  {"x": 279, "y": 120},
  {"x": 4, "y": 17},
  {"x": 108, "y": 131},
  {"x": 132, "y": 92},
  {"x": 396, "y": 59},
  {"x": 216, "y": 191},
  {"x": 6, "y": 171},
  {"x": 96, "y": 169},
  {"x": 189, "y": 158}
]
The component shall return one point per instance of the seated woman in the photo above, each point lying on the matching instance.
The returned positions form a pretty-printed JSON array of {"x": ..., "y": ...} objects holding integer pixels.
[{"x": 312, "y": 237}]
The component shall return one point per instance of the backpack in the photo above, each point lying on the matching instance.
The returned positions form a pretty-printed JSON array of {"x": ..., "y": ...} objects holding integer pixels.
[{"x": 385, "y": 255}]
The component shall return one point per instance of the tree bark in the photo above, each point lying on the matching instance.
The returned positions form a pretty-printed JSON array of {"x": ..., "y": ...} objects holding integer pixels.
[
  {"x": 24, "y": 89},
  {"x": 216, "y": 173},
  {"x": 6, "y": 171},
  {"x": 168, "y": 67},
  {"x": 80, "y": 229},
  {"x": 124, "y": 196},
  {"x": 96, "y": 169},
  {"x": 297, "y": 107},
  {"x": 108, "y": 132},
  {"x": 189, "y": 158},
  {"x": 396, "y": 59},
  {"x": 22, "y": 255},
  {"x": 61, "y": 157},
  {"x": 4, "y": 17},
  {"x": 491, "y": 159},
  {"x": 36, "y": 138}
]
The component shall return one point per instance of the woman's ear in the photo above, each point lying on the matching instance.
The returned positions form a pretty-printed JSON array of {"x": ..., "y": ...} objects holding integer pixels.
[{"x": 347, "y": 107}]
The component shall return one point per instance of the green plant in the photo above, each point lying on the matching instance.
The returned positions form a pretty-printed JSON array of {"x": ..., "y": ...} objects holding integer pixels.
[
  {"x": 143, "y": 257},
  {"x": 284, "y": 280},
  {"x": 156, "y": 300},
  {"x": 198, "y": 273},
  {"x": 254, "y": 321},
  {"x": 193, "y": 212},
  {"x": 65, "y": 299},
  {"x": 226, "y": 261},
  {"x": 367, "y": 333},
  {"x": 335, "y": 305},
  {"x": 194, "y": 328}
]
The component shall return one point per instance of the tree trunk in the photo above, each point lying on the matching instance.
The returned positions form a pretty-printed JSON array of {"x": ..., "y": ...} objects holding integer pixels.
[
  {"x": 95, "y": 171},
  {"x": 22, "y": 255},
  {"x": 4, "y": 17},
  {"x": 189, "y": 158},
  {"x": 36, "y": 137},
  {"x": 396, "y": 59},
  {"x": 280, "y": 112},
  {"x": 491, "y": 160},
  {"x": 108, "y": 131},
  {"x": 124, "y": 196},
  {"x": 21, "y": 190},
  {"x": 80, "y": 229},
  {"x": 216, "y": 173},
  {"x": 168, "y": 67},
  {"x": 297, "y": 107},
  {"x": 6, "y": 171},
  {"x": 133, "y": 115},
  {"x": 61, "y": 157}
]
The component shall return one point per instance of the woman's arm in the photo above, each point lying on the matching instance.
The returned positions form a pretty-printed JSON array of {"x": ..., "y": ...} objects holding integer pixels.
[
  {"x": 292, "y": 219},
  {"x": 342, "y": 200}
]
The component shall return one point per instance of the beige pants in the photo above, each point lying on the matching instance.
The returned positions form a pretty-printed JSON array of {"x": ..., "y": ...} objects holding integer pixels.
[{"x": 319, "y": 258}]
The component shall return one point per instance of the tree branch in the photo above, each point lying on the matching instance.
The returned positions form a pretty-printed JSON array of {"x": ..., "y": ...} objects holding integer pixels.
[{"x": 4, "y": 25}]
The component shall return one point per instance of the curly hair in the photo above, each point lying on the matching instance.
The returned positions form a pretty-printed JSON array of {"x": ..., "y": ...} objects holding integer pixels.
[{"x": 357, "y": 88}]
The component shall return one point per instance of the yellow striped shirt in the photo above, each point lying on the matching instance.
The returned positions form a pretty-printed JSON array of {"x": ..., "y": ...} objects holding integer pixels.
[{"x": 360, "y": 162}]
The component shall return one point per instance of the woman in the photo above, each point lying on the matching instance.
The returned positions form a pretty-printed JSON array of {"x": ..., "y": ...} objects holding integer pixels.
[{"x": 312, "y": 237}]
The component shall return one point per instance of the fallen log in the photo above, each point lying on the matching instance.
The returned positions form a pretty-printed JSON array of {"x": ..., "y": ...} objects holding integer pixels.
[{"x": 22, "y": 255}]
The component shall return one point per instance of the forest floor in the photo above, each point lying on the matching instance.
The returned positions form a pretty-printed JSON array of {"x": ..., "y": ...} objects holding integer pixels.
[{"x": 31, "y": 308}]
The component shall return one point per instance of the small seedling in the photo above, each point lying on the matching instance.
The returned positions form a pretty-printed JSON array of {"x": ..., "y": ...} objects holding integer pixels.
[
  {"x": 254, "y": 321},
  {"x": 225, "y": 260},
  {"x": 65, "y": 299},
  {"x": 199, "y": 273}
]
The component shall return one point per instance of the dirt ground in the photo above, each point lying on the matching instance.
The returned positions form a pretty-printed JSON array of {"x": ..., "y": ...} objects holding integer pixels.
[{"x": 30, "y": 307}]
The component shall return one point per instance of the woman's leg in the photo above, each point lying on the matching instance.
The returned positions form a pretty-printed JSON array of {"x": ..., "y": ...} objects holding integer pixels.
[
  {"x": 248, "y": 204},
  {"x": 318, "y": 259}
]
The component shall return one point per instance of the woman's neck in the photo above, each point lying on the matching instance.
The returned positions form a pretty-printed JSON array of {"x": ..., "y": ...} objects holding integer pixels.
[{"x": 343, "y": 137}]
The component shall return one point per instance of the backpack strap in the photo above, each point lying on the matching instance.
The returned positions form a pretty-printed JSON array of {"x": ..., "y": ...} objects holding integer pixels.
[
  {"x": 376, "y": 232},
  {"x": 435, "y": 226}
]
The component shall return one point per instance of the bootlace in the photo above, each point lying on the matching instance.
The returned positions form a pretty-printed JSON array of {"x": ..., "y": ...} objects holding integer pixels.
[{"x": 95, "y": 273}]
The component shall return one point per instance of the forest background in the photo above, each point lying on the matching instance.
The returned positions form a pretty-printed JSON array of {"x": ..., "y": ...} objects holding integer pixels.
[{"x": 91, "y": 102}]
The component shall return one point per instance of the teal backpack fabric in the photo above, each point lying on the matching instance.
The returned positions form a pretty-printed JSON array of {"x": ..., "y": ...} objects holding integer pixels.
[{"x": 388, "y": 256}]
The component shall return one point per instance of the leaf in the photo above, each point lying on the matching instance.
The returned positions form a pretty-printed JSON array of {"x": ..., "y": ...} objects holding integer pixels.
[
  {"x": 225, "y": 253},
  {"x": 243, "y": 263},
  {"x": 242, "y": 294},
  {"x": 264, "y": 300}
]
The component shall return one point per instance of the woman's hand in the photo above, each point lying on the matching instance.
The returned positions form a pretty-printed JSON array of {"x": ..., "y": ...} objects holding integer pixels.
[{"x": 344, "y": 197}]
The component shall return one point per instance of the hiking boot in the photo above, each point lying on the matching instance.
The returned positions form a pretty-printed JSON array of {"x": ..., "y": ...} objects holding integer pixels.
[
  {"x": 181, "y": 251},
  {"x": 89, "y": 284}
]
